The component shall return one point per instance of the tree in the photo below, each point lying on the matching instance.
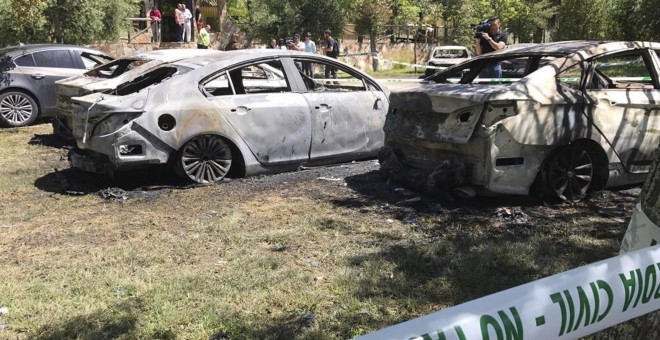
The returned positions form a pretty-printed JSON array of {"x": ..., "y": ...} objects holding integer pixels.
[
  {"x": 283, "y": 18},
  {"x": 582, "y": 19},
  {"x": 69, "y": 21},
  {"x": 370, "y": 16}
]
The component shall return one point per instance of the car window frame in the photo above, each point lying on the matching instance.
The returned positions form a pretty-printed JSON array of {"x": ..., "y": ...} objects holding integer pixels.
[
  {"x": 68, "y": 52},
  {"x": 227, "y": 71},
  {"x": 649, "y": 62}
]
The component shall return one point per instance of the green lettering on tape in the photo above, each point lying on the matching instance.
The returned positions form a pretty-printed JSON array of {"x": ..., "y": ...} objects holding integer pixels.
[
  {"x": 540, "y": 321},
  {"x": 594, "y": 292},
  {"x": 640, "y": 285},
  {"x": 459, "y": 332},
  {"x": 650, "y": 280},
  {"x": 629, "y": 289},
  {"x": 585, "y": 309},
  {"x": 511, "y": 332},
  {"x": 610, "y": 298},
  {"x": 556, "y": 298},
  {"x": 487, "y": 320},
  {"x": 571, "y": 310}
]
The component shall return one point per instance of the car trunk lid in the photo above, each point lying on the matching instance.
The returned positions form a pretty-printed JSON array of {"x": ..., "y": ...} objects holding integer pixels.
[{"x": 439, "y": 113}]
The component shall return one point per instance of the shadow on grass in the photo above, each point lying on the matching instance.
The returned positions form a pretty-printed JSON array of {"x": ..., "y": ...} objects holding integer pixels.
[
  {"x": 52, "y": 141},
  {"x": 117, "y": 321},
  {"x": 77, "y": 182}
]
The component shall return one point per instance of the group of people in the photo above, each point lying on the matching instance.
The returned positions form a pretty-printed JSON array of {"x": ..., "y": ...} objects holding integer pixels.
[
  {"x": 330, "y": 48},
  {"x": 183, "y": 21}
]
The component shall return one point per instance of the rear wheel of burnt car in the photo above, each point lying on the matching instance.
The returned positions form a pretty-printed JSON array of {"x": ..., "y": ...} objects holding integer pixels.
[
  {"x": 17, "y": 108},
  {"x": 204, "y": 159},
  {"x": 569, "y": 174}
]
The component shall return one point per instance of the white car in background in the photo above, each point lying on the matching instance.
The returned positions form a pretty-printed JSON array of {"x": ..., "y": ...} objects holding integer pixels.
[{"x": 445, "y": 56}]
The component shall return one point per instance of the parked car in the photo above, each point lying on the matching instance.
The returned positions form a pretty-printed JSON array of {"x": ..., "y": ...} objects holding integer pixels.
[
  {"x": 582, "y": 116},
  {"x": 239, "y": 112},
  {"x": 445, "y": 56},
  {"x": 29, "y": 72}
]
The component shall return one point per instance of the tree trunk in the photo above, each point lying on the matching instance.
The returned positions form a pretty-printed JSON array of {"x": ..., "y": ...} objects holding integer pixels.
[
  {"x": 374, "y": 52},
  {"x": 222, "y": 14}
]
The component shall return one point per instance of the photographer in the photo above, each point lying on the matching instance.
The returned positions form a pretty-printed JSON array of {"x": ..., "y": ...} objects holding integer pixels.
[{"x": 491, "y": 40}]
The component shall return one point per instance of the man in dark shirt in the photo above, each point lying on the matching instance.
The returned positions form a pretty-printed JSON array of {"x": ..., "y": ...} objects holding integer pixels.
[
  {"x": 330, "y": 71},
  {"x": 490, "y": 41}
]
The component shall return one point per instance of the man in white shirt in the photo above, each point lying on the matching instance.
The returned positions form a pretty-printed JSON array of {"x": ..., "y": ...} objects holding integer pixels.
[
  {"x": 297, "y": 45},
  {"x": 187, "y": 28}
]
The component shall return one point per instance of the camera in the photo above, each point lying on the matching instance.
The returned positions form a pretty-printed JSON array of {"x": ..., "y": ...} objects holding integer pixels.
[
  {"x": 484, "y": 26},
  {"x": 289, "y": 40}
]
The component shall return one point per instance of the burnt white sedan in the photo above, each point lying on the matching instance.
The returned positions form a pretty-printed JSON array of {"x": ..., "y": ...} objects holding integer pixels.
[
  {"x": 565, "y": 118},
  {"x": 224, "y": 113}
]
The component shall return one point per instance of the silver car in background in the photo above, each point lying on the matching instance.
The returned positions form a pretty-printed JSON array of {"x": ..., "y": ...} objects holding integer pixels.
[
  {"x": 28, "y": 74},
  {"x": 239, "y": 112}
]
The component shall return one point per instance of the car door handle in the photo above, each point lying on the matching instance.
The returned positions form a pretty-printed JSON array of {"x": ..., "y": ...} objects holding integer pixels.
[
  {"x": 38, "y": 76},
  {"x": 241, "y": 110},
  {"x": 323, "y": 106}
]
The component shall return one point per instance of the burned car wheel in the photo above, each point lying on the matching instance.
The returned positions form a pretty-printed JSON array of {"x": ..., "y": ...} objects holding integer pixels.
[
  {"x": 570, "y": 173},
  {"x": 204, "y": 159},
  {"x": 17, "y": 108}
]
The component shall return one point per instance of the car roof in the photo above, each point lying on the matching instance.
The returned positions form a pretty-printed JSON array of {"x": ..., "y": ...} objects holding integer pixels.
[
  {"x": 564, "y": 48},
  {"x": 22, "y": 49},
  {"x": 172, "y": 55},
  {"x": 246, "y": 54}
]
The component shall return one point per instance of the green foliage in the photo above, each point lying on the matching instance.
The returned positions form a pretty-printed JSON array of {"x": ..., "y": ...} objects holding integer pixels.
[
  {"x": 68, "y": 21},
  {"x": 283, "y": 18},
  {"x": 582, "y": 19}
]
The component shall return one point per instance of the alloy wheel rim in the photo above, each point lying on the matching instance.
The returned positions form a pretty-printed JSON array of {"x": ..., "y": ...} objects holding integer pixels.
[
  {"x": 571, "y": 174},
  {"x": 16, "y": 108},
  {"x": 206, "y": 159}
]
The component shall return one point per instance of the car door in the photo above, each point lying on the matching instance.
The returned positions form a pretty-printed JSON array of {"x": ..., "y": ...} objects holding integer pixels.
[
  {"x": 347, "y": 113},
  {"x": 623, "y": 102},
  {"x": 49, "y": 67},
  {"x": 258, "y": 102}
]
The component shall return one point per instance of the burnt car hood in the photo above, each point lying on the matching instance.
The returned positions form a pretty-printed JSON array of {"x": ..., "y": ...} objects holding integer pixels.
[{"x": 442, "y": 112}]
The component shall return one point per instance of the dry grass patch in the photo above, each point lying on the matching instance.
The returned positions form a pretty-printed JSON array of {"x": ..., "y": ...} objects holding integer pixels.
[{"x": 278, "y": 257}]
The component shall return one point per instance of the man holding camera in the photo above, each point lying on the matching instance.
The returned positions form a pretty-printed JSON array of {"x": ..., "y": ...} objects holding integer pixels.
[{"x": 491, "y": 39}]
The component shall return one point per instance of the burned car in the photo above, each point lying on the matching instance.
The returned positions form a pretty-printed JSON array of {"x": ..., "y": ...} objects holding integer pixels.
[
  {"x": 28, "y": 74},
  {"x": 227, "y": 113},
  {"x": 581, "y": 116},
  {"x": 446, "y": 56}
]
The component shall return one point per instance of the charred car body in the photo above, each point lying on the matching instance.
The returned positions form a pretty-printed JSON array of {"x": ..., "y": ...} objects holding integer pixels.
[
  {"x": 248, "y": 112},
  {"x": 581, "y": 116}
]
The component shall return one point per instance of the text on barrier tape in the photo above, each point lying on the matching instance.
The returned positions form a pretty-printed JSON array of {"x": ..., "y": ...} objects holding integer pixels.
[{"x": 567, "y": 305}]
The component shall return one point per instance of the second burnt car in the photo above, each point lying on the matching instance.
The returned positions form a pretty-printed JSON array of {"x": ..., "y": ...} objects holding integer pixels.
[
  {"x": 578, "y": 116},
  {"x": 238, "y": 113}
]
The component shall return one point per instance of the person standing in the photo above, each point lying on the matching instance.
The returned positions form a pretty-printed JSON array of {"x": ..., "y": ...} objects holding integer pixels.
[
  {"x": 310, "y": 47},
  {"x": 187, "y": 22},
  {"x": 273, "y": 44},
  {"x": 491, "y": 41},
  {"x": 204, "y": 39},
  {"x": 330, "y": 51},
  {"x": 178, "y": 20},
  {"x": 297, "y": 45},
  {"x": 198, "y": 17},
  {"x": 155, "y": 17}
]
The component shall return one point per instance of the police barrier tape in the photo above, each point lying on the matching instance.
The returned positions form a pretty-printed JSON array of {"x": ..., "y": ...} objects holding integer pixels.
[{"x": 563, "y": 306}]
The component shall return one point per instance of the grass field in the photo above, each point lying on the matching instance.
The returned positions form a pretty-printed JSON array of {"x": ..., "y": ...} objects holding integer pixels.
[{"x": 330, "y": 253}]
